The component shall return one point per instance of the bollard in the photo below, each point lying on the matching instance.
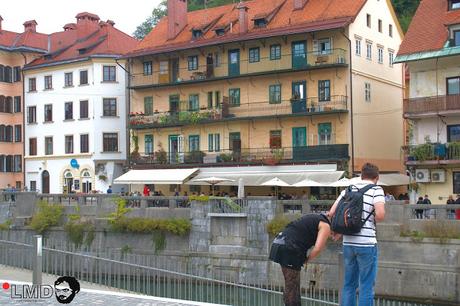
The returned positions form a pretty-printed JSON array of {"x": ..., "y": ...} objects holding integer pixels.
[
  {"x": 38, "y": 250},
  {"x": 341, "y": 275}
]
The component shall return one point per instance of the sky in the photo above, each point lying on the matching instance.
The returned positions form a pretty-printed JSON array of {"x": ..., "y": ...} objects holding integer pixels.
[{"x": 52, "y": 15}]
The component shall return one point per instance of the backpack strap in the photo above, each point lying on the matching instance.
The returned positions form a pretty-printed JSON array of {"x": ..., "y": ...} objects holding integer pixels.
[{"x": 363, "y": 191}]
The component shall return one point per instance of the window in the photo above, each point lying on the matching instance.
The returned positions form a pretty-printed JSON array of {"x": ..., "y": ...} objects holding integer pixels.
[
  {"x": 368, "y": 20},
  {"x": 453, "y": 133},
  {"x": 234, "y": 96},
  {"x": 197, "y": 33},
  {"x": 68, "y": 111},
  {"x": 31, "y": 114},
  {"x": 69, "y": 144},
  {"x": 192, "y": 63},
  {"x": 390, "y": 30},
  {"x": 17, "y": 74},
  {"x": 8, "y": 74},
  {"x": 17, "y": 133},
  {"x": 68, "y": 79},
  {"x": 7, "y": 105},
  {"x": 48, "y": 82},
  {"x": 17, "y": 165},
  {"x": 453, "y": 86},
  {"x": 380, "y": 55},
  {"x": 217, "y": 59},
  {"x": 17, "y": 104},
  {"x": 322, "y": 46},
  {"x": 210, "y": 102},
  {"x": 9, "y": 163},
  {"x": 391, "y": 57},
  {"x": 148, "y": 68},
  {"x": 220, "y": 31},
  {"x": 275, "y": 139},
  {"x": 324, "y": 133},
  {"x": 6, "y": 133},
  {"x": 456, "y": 38},
  {"x": 32, "y": 146},
  {"x": 454, "y": 4},
  {"x": 148, "y": 141},
  {"x": 84, "y": 77},
  {"x": 367, "y": 92},
  {"x": 33, "y": 185},
  {"x": 2, "y": 74},
  {"x": 214, "y": 142},
  {"x": 193, "y": 103},
  {"x": 109, "y": 107},
  {"x": 148, "y": 106},
  {"x": 324, "y": 90},
  {"x": 109, "y": 74},
  {"x": 260, "y": 22},
  {"x": 254, "y": 55},
  {"x": 274, "y": 94},
  {"x": 48, "y": 145},
  {"x": 84, "y": 143},
  {"x": 380, "y": 25},
  {"x": 456, "y": 184},
  {"x": 275, "y": 52},
  {"x": 194, "y": 143},
  {"x": 369, "y": 51},
  {"x": 234, "y": 141},
  {"x": 48, "y": 113},
  {"x": 358, "y": 47},
  {"x": 84, "y": 114},
  {"x": 110, "y": 142},
  {"x": 32, "y": 84}
]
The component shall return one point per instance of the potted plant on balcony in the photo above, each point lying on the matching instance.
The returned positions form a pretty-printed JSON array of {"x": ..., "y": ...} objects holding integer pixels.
[
  {"x": 275, "y": 157},
  {"x": 135, "y": 153},
  {"x": 225, "y": 157},
  {"x": 161, "y": 154},
  {"x": 423, "y": 152}
]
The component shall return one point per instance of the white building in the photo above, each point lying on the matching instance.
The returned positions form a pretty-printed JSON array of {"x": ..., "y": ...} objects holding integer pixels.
[{"x": 76, "y": 108}]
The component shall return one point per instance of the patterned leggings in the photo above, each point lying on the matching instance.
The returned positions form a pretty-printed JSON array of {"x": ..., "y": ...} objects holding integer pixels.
[{"x": 291, "y": 287}]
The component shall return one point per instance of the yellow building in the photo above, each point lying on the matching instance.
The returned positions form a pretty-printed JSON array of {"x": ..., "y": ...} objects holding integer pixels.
[{"x": 283, "y": 82}]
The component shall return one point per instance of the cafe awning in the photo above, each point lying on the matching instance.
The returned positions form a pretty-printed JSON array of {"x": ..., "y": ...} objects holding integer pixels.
[
  {"x": 158, "y": 176},
  {"x": 394, "y": 179}
]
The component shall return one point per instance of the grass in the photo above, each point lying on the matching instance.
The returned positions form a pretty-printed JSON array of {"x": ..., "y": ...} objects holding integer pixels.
[{"x": 441, "y": 230}]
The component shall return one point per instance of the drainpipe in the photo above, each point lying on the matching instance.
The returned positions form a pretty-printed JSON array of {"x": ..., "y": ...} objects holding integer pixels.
[
  {"x": 351, "y": 105},
  {"x": 23, "y": 129},
  {"x": 127, "y": 108}
]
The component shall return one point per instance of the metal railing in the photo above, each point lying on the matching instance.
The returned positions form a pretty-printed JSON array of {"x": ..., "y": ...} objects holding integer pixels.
[
  {"x": 222, "y": 70},
  {"x": 432, "y": 152},
  {"x": 434, "y": 105},
  {"x": 433, "y": 211},
  {"x": 186, "y": 116},
  {"x": 269, "y": 156}
]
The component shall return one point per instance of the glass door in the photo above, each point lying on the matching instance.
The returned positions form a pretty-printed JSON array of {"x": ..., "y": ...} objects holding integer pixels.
[
  {"x": 299, "y": 54},
  {"x": 234, "y": 62}
]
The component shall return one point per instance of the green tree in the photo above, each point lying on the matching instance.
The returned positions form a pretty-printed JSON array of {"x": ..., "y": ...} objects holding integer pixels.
[{"x": 144, "y": 28}]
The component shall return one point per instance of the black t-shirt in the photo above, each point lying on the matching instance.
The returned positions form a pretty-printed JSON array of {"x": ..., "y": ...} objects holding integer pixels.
[{"x": 302, "y": 233}]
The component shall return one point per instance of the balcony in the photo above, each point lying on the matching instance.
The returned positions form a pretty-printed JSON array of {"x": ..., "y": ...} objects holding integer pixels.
[
  {"x": 433, "y": 154},
  {"x": 227, "y": 112},
  {"x": 265, "y": 156},
  {"x": 172, "y": 74},
  {"x": 431, "y": 106}
]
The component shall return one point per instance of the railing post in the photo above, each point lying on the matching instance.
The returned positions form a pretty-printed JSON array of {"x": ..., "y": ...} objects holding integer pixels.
[
  {"x": 341, "y": 275},
  {"x": 37, "y": 260}
]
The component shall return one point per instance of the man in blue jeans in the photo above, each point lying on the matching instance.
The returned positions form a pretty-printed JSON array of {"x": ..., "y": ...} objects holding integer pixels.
[{"x": 360, "y": 250}]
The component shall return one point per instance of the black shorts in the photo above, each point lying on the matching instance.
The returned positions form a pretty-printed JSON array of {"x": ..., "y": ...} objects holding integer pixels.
[{"x": 286, "y": 256}]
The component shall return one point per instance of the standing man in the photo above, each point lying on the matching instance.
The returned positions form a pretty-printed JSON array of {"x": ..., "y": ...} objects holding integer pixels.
[
  {"x": 428, "y": 212},
  {"x": 360, "y": 250}
]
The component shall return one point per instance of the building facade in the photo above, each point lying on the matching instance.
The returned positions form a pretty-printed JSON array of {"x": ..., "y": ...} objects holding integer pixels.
[
  {"x": 75, "y": 103},
  {"x": 16, "y": 50},
  {"x": 258, "y": 84},
  {"x": 432, "y": 53}
]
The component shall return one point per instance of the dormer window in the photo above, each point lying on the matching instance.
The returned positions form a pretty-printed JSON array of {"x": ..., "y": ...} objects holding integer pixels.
[
  {"x": 220, "y": 32},
  {"x": 454, "y": 5},
  {"x": 197, "y": 33},
  {"x": 260, "y": 23}
]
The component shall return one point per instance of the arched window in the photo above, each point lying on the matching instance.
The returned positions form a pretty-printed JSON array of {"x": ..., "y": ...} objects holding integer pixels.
[
  {"x": 2, "y": 163},
  {"x": 8, "y": 74},
  {"x": 2, "y": 73},
  {"x": 9, "y": 105},
  {"x": 9, "y": 133},
  {"x": 9, "y": 163},
  {"x": 2, "y": 104},
  {"x": 2, "y": 132}
]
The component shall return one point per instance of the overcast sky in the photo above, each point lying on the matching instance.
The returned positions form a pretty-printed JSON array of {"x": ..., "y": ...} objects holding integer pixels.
[{"x": 52, "y": 15}]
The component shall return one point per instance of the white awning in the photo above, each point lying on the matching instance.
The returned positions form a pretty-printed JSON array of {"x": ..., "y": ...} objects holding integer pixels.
[
  {"x": 256, "y": 176},
  {"x": 394, "y": 179},
  {"x": 159, "y": 177}
]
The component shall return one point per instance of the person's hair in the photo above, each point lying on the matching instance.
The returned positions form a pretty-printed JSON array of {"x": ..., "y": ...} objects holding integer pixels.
[
  {"x": 420, "y": 198},
  {"x": 73, "y": 284},
  {"x": 426, "y": 196},
  {"x": 369, "y": 171}
]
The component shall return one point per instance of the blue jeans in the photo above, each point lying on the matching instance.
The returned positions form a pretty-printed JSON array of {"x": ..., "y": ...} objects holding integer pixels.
[{"x": 360, "y": 270}]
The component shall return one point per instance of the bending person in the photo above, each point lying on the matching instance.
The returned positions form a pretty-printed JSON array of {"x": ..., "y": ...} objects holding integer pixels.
[{"x": 290, "y": 248}]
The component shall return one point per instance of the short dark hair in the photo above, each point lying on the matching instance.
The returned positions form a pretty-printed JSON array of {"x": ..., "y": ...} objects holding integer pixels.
[{"x": 369, "y": 171}]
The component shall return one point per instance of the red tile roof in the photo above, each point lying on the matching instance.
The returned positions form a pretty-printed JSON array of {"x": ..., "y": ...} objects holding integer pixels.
[
  {"x": 316, "y": 15},
  {"x": 428, "y": 30},
  {"x": 27, "y": 39}
]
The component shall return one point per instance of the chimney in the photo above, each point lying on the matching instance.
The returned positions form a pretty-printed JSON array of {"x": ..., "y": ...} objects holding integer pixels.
[
  {"x": 30, "y": 25},
  {"x": 87, "y": 23},
  {"x": 177, "y": 17},
  {"x": 111, "y": 22},
  {"x": 299, "y": 4},
  {"x": 1, "y": 19},
  {"x": 243, "y": 18}
]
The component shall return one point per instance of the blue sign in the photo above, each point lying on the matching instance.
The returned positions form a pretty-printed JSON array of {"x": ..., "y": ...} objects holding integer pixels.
[{"x": 74, "y": 163}]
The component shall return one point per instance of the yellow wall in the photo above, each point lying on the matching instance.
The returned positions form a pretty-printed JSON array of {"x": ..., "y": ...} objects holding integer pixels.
[{"x": 439, "y": 192}]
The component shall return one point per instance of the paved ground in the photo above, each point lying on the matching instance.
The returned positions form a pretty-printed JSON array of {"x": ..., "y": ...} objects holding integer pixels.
[{"x": 89, "y": 295}]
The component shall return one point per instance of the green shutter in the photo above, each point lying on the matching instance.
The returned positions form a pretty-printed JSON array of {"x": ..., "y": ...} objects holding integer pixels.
[
  {"x": 324, "y": 128},
  {"x": 148, "y": 105}
]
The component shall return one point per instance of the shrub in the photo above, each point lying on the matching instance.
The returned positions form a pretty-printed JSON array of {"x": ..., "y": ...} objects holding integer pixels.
[
  {"x": 76, "y": 232},
  {"x": 48, "y": 215},
  {"x": 178, "y": 227},
  {"x": 277, "y": 225},
  {"x": 5, "y": 226}
]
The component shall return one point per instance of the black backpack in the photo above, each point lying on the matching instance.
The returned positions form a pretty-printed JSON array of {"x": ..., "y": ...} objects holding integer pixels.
[{"x": 347, "y": 219}]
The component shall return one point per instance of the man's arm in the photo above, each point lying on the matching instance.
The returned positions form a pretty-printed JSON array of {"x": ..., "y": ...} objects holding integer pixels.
[
  {"x": 324, "y": 231},
  {"x": 379, "y": 211}
]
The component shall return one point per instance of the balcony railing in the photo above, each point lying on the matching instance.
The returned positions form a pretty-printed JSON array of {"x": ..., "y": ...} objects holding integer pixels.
[
  {"x": 431, "y": 105},
  {"x": 211, "y": 70},
  {"x": 433, "y": 152},
  {"x": 226, "y": 111},
  {"x": 267, "y": 156}
]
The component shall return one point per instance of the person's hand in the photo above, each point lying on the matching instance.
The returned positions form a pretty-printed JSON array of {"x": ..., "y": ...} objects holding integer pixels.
[{"x": 336, "y": 236}]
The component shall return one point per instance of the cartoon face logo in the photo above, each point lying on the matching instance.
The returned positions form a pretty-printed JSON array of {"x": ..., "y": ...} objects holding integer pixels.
[{"x": 65, "y": 289}]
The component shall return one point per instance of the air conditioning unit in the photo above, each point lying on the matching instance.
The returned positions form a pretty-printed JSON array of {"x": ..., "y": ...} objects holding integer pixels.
[
  {"x": 438, "y": 176},
  {"x": 422, "y": 176}
]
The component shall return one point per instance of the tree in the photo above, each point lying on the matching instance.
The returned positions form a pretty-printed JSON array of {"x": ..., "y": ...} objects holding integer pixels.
[{"x": 144, "y": 28}]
